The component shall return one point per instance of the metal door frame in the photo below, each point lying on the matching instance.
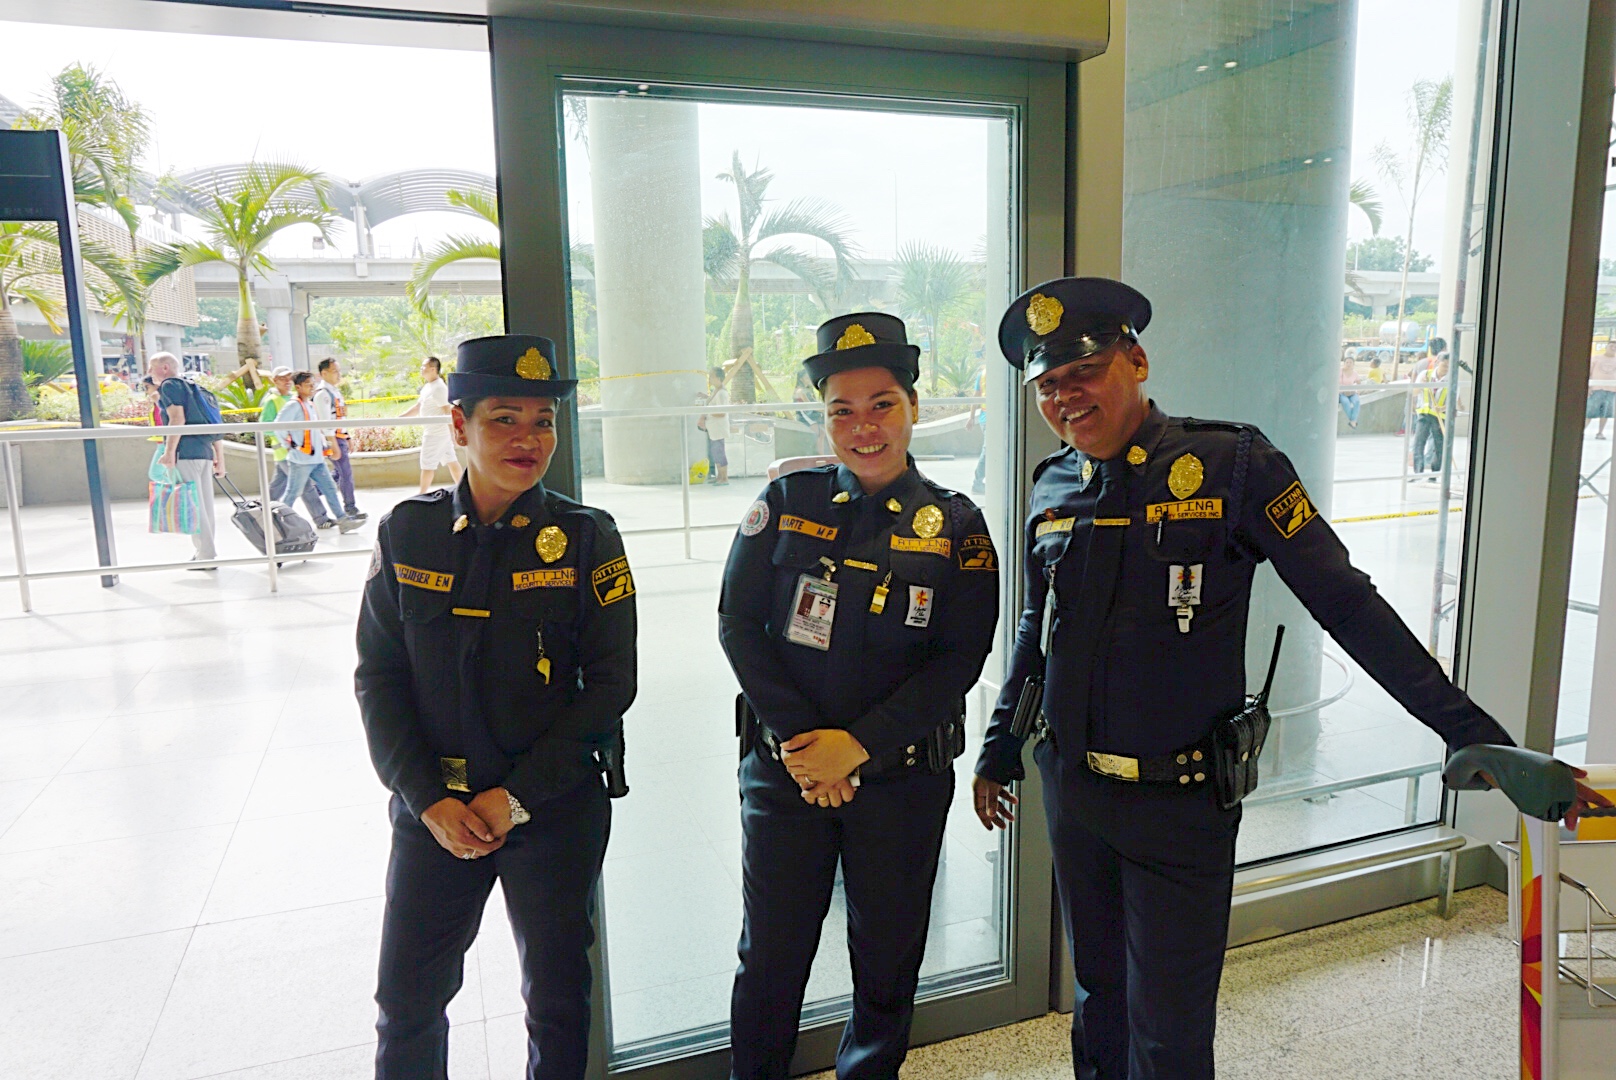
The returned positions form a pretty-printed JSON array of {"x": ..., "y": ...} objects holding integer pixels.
[{"x": 531, "y": 60}]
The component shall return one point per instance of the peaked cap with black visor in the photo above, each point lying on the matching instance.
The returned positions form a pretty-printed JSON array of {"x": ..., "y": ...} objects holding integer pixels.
[
  {"x": 1069, "y": 319},
  {"x": 508, "y": 365},
  {"x": 863, "y": 339}
]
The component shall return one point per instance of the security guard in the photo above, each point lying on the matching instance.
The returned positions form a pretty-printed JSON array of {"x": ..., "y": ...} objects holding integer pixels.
[
  {"x": 496, "y": 659},
  {"x": 858, "y": 606},
  {"x": 1143, "y": 536}
]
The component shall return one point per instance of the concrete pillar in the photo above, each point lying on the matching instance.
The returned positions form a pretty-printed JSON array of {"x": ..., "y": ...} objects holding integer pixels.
[
  {"x": 645, "y": 178},
  {"x": 272, "y": 299},
  {"x": 1237, "y": 169},
  {"x": 1459, "y": 221}
]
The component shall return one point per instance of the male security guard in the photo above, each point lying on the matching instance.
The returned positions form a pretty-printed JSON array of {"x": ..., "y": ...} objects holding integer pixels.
[
  {"x": 496, "y": 659},
  {"x": 1144, "y": 533},
  {"x": 858, "y": 605}
]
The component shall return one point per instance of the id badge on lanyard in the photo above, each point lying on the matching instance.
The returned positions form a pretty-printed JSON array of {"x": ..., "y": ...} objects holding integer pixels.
[{"x": 813, "y": 610}]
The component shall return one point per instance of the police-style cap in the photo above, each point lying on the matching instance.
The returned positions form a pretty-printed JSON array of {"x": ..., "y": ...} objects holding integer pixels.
[
  {"x": 863, "y": 339},
  {"x": 508, "y": 365},
  {"x": 1068, "y": 319}
]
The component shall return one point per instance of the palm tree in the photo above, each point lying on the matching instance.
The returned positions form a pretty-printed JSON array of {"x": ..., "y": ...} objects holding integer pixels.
[
  {"x": 933, "y": 283},
  {"x": 1430, "y": 112},
  {"x": 453, "y": 249},
  {"x": 729, "y": 248},
  {"x": 241, "y": 214},
  {"x": 29, "y": 260}
]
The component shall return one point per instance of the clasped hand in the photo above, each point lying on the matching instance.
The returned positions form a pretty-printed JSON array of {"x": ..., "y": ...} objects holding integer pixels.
[
  {"x": 822, "y": 763},
  {"x": 470, "y": 830}
]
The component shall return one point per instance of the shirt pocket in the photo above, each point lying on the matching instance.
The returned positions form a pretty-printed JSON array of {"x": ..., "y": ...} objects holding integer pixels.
[
  {"x": 912, "y": 572},
  {"x": 795, "y": 555}
]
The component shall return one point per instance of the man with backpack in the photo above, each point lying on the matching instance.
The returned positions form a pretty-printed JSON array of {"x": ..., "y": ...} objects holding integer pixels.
[{"x": 197, "y": 458}]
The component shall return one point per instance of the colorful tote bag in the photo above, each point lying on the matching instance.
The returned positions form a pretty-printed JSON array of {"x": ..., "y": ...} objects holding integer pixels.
[{"x": 174, "y": 503}]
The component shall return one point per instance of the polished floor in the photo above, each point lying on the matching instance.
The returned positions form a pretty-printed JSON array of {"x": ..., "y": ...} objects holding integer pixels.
[{"x": 192, "y": 840}]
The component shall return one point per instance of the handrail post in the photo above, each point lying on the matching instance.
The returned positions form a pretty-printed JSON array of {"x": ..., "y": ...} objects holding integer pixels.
[
  {"x": 266, "y": 515},
  {"x": 1411, "y": 800},
  {"x": 14, "y": 511},
  {"x": 684, "y": 478}
]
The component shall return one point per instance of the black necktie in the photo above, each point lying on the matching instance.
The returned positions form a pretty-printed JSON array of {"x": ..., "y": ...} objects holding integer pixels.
[
  {"x": 486, "y": 763},
  {"x": 1093, "y": 601}
]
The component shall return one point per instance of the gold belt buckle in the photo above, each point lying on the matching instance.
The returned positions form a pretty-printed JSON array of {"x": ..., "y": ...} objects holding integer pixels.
[
  {"x": 1115, "y": 765},
  {"x": 453, "y": 770}
]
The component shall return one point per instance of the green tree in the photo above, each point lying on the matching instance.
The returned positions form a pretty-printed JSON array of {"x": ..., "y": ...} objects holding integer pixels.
[
  {"x": 241, "y": 214},
  {"x": 933, "y": 283},
  {"x": 1412, "y": 171},
  {"x": 1384, "y": 253},
  {"x": 29, "y": 260},
  {"x": 454, "y": 249},
  {"x": 731, "y": 247}
]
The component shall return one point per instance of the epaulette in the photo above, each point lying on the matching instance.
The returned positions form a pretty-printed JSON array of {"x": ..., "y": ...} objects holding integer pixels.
[
  {"x": 560, "y": 504},
  {"x": 435, "y": 495},
  {"x": 1038, "y": 469},
  {"x": 818, "y": 474},
  {"x": 1189, "y": 423},
  {"x": 941, "y": 491}
]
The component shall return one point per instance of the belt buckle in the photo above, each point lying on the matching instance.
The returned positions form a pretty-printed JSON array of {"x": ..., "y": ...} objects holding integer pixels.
[{"x": 1114, "y": 765}]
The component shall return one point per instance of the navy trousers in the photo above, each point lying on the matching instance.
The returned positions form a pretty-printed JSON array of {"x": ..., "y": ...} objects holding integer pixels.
[
  {"x": 1145, "y": 875},
  {"x": 888, "y": 839},
  {"x": 548, "y": 868}
]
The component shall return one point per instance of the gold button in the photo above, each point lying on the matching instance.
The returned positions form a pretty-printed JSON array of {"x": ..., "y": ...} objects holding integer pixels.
[
  {"x": 1244, "y": 757},
  {"x": 1199, "y": 777},
  {"x": 1196, "y": 755},
  {"x": 910, "y": 749},
  {"x": 1182, "y": 760},
  {"x": 908, "y": 761},
  {"x": 1183, "y": 779}
]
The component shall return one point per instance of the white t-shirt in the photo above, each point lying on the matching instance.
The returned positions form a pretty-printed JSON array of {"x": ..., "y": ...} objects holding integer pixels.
[
  {"x": 435, "y": 398},
  {"x": 718, "y": 423}
]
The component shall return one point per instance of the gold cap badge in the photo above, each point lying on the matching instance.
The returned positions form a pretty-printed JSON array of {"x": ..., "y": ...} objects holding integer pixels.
[
  {"x": 928, "y": 522},
  {"x": 1044, "y": 314},
  {"x": 551, "y": 543},
  {"x": 1136, "y": 455},
  {"x": 1184, "y": 478},
  {"x": 533, "y": 365},
  {"x": 854, "y": 336}
]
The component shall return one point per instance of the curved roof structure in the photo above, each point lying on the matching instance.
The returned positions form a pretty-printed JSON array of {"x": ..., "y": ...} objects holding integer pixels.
[{"x": 383, "y": 197}]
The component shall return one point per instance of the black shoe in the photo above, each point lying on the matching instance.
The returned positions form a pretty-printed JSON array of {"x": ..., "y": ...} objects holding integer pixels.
[{"x": 326, "y": 524}]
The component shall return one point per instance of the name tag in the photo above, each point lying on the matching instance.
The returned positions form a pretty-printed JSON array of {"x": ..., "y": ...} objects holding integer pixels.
[
  {"x": 432, "y": 580},
  {"x": 1188, "y": 509},
  {"x": 1058, "y": 525},
  {"x": 937, "y": 545},
  {"x": 793, "y": 523},
  {"x": 544, "y": 579}
]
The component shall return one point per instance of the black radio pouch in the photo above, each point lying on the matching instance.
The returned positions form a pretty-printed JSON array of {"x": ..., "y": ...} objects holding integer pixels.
[
  {"x": 746, "y": 724},
  {"x": 1238, "y": 738}
]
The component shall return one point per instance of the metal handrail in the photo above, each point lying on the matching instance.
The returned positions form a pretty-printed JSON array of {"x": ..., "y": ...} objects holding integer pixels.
[{"x": 1444, "y": 844}]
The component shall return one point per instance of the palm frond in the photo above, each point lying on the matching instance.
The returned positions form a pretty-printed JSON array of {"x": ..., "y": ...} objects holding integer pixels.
[
  {"x": 45, "y": 361},
  {"x": 820, "y": 220},
  {"x": 1363, "y": 195},
  {"x": 453, "y": 249},
  {"x": 162, "y": 260},
  {"x": 820, "y": 278},
  {"x": 481, "y": 203},
  {"x": 720, "y": 249}
]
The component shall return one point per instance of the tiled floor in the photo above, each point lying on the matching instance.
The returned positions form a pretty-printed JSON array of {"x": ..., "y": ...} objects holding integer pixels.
[
  {"x": 1397, "y": 994},
  {"x": 192, "y": 840}
]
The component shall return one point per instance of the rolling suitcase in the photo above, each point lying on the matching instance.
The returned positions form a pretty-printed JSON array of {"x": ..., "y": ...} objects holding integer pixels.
[{"x": 293, "y": 534}]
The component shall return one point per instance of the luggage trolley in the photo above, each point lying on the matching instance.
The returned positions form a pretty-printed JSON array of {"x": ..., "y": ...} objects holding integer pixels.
[{"x": 1567, "y": 974}]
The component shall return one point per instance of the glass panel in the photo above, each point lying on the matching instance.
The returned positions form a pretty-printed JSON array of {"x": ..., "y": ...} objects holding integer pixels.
[
  {"x": 675, "y": 272},
  {"x": 1324, "y": 159},
  {"x": 1589, "y": 662}
]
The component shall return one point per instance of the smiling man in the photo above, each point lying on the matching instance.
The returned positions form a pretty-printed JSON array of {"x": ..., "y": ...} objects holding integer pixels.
[
  {"x": 496, "y": 660},
  {"x": 1143, "y": 536}
]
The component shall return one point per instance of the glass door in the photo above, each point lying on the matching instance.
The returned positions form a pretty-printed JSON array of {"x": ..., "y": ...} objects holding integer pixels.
[{"x": 714, "y": 215}]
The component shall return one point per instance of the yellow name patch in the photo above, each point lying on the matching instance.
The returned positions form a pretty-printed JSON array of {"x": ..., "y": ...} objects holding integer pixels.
[
  {"x": 1103, "y": 522},
  {"x": 1188, "y": 509},
  {"x": 433, "y": 580},
  {"x": 1292, "y": 510},
  {"x": 612, "y": 582},
  {"x": 1058, "y": 525},
  {"x": 937, "y": 545},
  {"x": 976, "y": 553},
  {"x": 793, "y": 523},
  {"x": 544, "y": 579}
]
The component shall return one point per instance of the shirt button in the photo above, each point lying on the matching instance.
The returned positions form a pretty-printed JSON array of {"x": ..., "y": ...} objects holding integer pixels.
[
  {"x": 909, "y": 749},
  {"x": 909, "y": 761},
  {"x": 1182, "y": 760},
  {"x": 1199, "y": 777},
  {"x": 1183, "y": 779}
]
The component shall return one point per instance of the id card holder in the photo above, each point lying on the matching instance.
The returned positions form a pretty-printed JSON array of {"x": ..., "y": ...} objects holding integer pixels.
[
  {"x": 1184, "y": 592},
  {"x": 813, "y": 610}
]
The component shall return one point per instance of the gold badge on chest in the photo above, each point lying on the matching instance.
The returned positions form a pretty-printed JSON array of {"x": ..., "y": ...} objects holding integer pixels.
[
  {"x": 551, "y": 543},
  {"x": 1184, "y": 478},
  {"x": 1088, "y": 471},
  {"x": 928, "y": 522}
]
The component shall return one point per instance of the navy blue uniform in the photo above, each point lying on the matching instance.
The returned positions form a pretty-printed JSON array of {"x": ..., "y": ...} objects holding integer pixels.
[
  {"x": 487, "y": 659},
  {"x": 1151, "y": 556},
  {"x": 895, "y": 677}
]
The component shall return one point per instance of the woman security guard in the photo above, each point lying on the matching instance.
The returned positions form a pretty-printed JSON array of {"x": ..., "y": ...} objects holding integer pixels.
[
  {"x": 858, "y": 606},
  {"x": 496, "y": 660}
]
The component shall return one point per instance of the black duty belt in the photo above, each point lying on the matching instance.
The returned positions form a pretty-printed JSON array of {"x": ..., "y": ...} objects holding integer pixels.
[
  {"x": 1188, "y": 767},
  {"x": 930, "y": 756}
]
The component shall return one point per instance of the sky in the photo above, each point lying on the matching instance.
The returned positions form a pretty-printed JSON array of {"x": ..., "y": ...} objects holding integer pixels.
[{"x": 359, "y": 110}]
